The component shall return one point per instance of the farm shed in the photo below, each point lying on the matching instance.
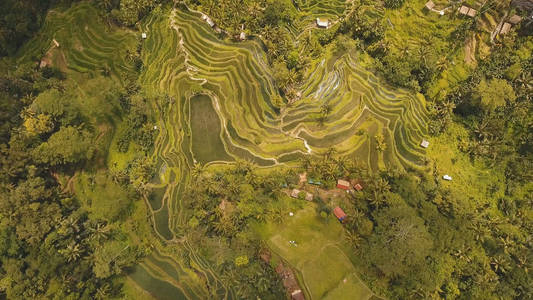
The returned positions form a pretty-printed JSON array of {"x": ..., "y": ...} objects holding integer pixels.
[
  {"x": 308, "y": 196},
  {"x": 464, "y": 10},
  {"x": 295, "y": 193},
  {"x": 322, "y": 22},
  {"x": 208, "y": 20},
  {"x": 339, "y": 213},
  {"x": 506, "y": 27},
  {"x": 343, "y": 184},
  {"x": 472, "y": 12},
  {"x": 424, "y": 144},
  {"x": 467, "y": 11},
  {"x": 429, "y": 5}
]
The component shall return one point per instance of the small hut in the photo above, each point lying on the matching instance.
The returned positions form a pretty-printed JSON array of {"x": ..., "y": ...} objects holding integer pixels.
[
  {"x": 424, "y": 144},
  {"x": 463, "y": 10},
  {"x": 429, "y": 5},
  {"x": 295, "y": 193},
  {"x": 515, "y": 19},
  {"x": 472, "y": 12},
  {"x": 506, "y": 27},
  {"x": 143, "y": 35},
  {"x": 308, "y": 196},
  {"x": 339, "y": 213},
  {"x": 55, "y": 43},
  {"x": 242, "y": 36},
  {"x": 358, "y": 187},
  {"x": 208, "y": 20},
  {"x": 322, "y": 22},
  {"x": 447, "y": 177},
  {"x": 343, "y": 184},
  {"x": 303, "y": 177}
]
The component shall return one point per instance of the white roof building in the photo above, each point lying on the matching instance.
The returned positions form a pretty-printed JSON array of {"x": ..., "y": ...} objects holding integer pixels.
[
  {"x": 322, "y": 22},
  {"x": 424, "y": 144},
  {"x": 143, "y": 35},
  {"x": 447, "y": 177}
]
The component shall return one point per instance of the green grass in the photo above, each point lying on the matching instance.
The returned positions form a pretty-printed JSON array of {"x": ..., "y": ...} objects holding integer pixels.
[
  {"x": 470, "y": 178},
  {"x": 319, "y": 255}
]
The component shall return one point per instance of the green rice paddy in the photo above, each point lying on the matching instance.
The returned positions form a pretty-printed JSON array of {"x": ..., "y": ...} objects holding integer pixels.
[{"x": 221, "y": 110}]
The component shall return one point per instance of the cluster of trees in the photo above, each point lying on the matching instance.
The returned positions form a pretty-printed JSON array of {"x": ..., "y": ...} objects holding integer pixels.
[
  {"x": 127, "y": 12},
  {"x": 137, "y": 125},
  {"x": 54, "y": 244},
  {"x": 222, "y": 205},
  {"x": 417, "y": 239},
  {"x": 269, "y": 20},
  {"x": 19, "y": 20},
  {"x": 49, "y": 246}
]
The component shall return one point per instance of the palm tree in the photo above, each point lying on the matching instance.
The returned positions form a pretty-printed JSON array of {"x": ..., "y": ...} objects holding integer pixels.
[
  {"x": 442, "y": 64},
  {"x": 305, "y": 162},
  {"x": 329, "y": 153},
  {"x": 252, "y": 178},
  {"x": 325, "y": 109},
  {"x": 197, "y": 170},
  {"x": 522, "y": 262},
  {"x": 72, "y": 252},
  {"x": 506, "y": 243},
  {"x": 233, "y": 187},
  {"x": 377, "y": 201},
  {"x": 99, "y": 232},
  {"x": 404, "y": 49},
  {"x": 382, "y": 186},
  {"x": 353, "y": 238},
  {"x": 500, "y": 264},
  {"x": 321, "y": 120},
  {"x": 342, "y": 163},
  {"x": 103, "y": 291}
]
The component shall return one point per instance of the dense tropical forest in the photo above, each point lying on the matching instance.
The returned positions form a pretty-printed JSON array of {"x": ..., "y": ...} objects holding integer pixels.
[{"x": 197, "y": 149}]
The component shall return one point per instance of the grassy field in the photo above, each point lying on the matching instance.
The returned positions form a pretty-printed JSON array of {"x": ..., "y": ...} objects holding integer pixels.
[{"x": 323, "y": 267}]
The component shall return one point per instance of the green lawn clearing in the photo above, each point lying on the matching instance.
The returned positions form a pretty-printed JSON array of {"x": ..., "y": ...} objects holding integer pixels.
[{"x": 324, "y": 270}]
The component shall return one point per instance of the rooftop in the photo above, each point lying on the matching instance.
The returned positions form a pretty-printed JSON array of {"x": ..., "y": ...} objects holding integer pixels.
[
  {"x": 339, "y": 213},
  {"x": 506, "y": 27},
  {"x": 322, "y": 22}
]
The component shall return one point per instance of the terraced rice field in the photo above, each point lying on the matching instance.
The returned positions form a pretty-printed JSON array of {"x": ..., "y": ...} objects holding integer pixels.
[
  {"x": 86, "y": 44},
  {"x": 221, "y": 110},
  {"x": 318, "y": 8}
]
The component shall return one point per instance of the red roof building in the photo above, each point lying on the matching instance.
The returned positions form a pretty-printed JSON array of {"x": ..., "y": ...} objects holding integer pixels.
[
  {"x": 343, "y": 184},
  {"x": 339, "y": 213},
  {"x": 358, "y": 187}
]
